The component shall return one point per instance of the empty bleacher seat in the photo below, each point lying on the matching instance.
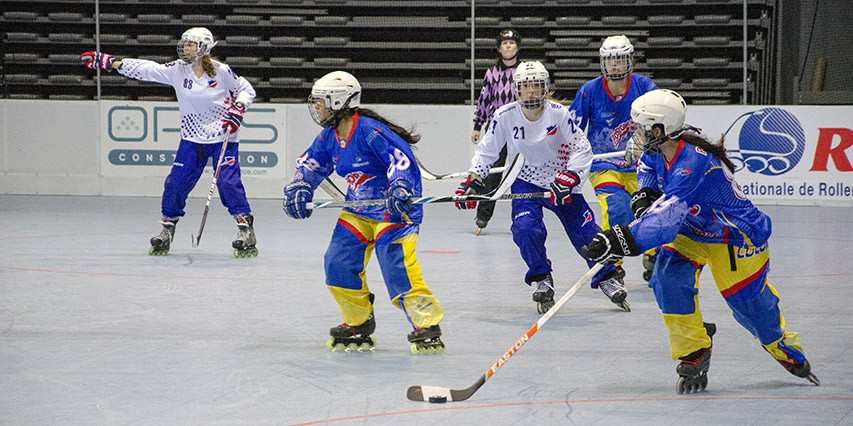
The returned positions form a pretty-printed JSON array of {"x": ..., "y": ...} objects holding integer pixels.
[
  {"x": 484, "y": 21},
  {"x": 480, "y": 63},
  {"x": 331, "y": 20},
  {"x": 571, "y": 63},
  {"x": 21, "y": 58},
  {"x": 155, "y": 18},
  {"x": 665, "y": 41},
  {"x": 286, "y": 61},
  {"x": 481, "y": 41},
  {"x": 666, "y": 1},
  {"x": 534, "y": 42},
  {"x": 155, "y": 98},
  {"x": 330, "y": 1},
  {"x": 113, "y": 38},
  {"x": 242, "y": 1},
  {"x": 22, "y": 36},
  {"x": 712, "y": 40},
  {"x": 286, "y": 20},
  {"x": 243, "y": 60},
  {"x": 331, "y": 62},
  {"x": 65, "y": 79},
  {"x": 567, "y": 83},
  {"x": 65, "y": 37},
  {"x": 198, "y": 19},
  {"x": 527, "y": 2},
  {"x": 243, "y": 19},
  {"x": 664, "y": 62},
  {"x": 116, "y": 97},
  {"x": 286, "y": 81},
  {"x": 618, "y": 2},
  {"x": 573, "y": 20},
  {"x": 709, "y": 101},
  {"x": 572, "y": 41},
  {"x": 712, "y": 19},
  {"x": 618, "y": 20},
  {"x": 25, "y": 96},
  {"x": 112, "y": 79},
  {"x": 668, "y": 83},
  {"x": 666, "y": 19},
  {"x": 289, "y": 2},
  {"x": 67, "y": 97},
  {"x": 154, "y": 39},
  {"x": 63, "y": 58},
  {"x": 286, "y": 41},
  {"x": 287, "y": 100},
  {"x": 154, "y": 1},
  {"x": 113, "y": 17},
  {"x": 710, "y": 82},
  {"x": 711, "y": 62},
  {"x": 527, "y": 21},
  {"x": 22, "y": 78},
  {"x": 65, "y": 16},
  {"x": 331, "y": 41},
  {"x": 20, "y": 16},
  {"x": 242, "y": 40},
  {"x": 574, "y": 1}
]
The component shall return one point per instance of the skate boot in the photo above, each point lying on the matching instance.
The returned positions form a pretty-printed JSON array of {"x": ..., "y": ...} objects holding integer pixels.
[
  {"x": 543, "y": 295},
  {"x": 480, "y": 225},
  {"x": 649, "y": 265},
  {"x": 693, "y": 369},
  {"x": 244, "y": 245},
  {"x": 426, "y": 341},
  {"x": 349, "y": 338},
  {"x": 160, "y": 244},
  {"x": 794, "y": 360},
  {"x": 614, "y": 288}
]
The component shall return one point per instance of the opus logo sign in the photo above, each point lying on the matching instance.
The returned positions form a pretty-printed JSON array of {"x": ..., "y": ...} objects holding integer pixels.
[{"x": 140, "y": 139}]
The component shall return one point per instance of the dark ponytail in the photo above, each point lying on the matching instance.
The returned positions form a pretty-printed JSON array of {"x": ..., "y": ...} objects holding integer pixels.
[
  {"x": 718, "y": 149},
  {"x": 407, "y": 135}
]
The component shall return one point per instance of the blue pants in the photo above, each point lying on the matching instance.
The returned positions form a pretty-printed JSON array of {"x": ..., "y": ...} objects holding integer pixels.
[
  {"x": 529, "y": 233},
  {"x": 186, "y": 170}
]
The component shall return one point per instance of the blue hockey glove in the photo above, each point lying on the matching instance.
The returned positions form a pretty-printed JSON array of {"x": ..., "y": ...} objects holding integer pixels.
[
  {"x": 399, "y": 196},
  {"x": 296, "y": 195}
]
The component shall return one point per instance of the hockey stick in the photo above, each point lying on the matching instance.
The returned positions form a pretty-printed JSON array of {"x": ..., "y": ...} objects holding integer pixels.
[
  {"x": 430, "y": 176},
  {"x": 197, "y": 239},
  {"x": 427, "y": 200},
  {"x": 438, "y": 394},
  {"x": 330, "y": 188}
]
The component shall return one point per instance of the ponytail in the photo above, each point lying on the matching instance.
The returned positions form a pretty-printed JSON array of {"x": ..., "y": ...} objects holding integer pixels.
[
  {"x": 407, "y": 135},
  {"x": 207, "y": 65}
]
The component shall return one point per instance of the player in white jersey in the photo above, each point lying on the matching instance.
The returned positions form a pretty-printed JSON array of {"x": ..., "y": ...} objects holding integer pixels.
[
  {"x": 557, "y": 158},
  {"x": 212, "y": 100}
]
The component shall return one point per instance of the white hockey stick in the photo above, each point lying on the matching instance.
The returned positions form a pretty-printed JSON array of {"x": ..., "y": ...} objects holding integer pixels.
[
  {"x": 430, "y": 176},
  {"x": 438, "y": 394},
  {"x": 332, "y": 190}
]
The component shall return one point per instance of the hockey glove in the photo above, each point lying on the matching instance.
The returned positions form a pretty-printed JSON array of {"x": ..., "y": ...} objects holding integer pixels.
[
  {"x": 399, "y": 200},
  {"x": 611, "y": 245},
  {"x": 472, "y": 185},
  {"x": 642, "y": 200},
  {"x": 92, "y": 59},
  {"x": 234, "y": 117},
  {"x": 296, "y": 195},
  {"x": 562, "y": 186}
]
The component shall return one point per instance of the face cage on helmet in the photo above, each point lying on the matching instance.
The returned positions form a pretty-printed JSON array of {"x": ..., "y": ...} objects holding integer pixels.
[
  {"x": 629, "y": 66},
  {"x": 201, "y": 50},
  {"x": 313, "y": 101},
  {"x": 536, "y": 102},
  {"x": 645, "y": 140}
]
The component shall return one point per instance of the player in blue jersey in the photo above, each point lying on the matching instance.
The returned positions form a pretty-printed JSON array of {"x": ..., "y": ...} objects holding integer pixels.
[
  {"x": 603, "y": 108},
  {"x": 374, "y": 157},
  {"x": 690, "y": 204}
]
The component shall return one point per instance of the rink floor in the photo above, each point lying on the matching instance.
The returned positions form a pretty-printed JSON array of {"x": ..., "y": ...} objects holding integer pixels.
[{"x": 95, "y": 331}]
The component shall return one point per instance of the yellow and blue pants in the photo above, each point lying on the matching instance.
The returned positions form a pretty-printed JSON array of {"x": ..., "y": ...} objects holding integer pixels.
[
  {"x": 353, "y": 241},
  {"x": 740, "y": 273},
  {"x": 613, "y": 190}
]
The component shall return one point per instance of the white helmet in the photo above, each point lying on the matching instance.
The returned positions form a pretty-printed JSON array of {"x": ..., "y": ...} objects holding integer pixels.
[
  {"x": 661, "y": 108},
  {"x": 616, "y": 50},
  {"x": 531, "y": 75},
  {"x": 201, "y": 37},
  {"x": 335, "y": 92}
]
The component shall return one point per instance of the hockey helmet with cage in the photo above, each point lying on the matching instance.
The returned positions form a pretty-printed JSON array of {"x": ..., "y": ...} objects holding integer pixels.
[
  {"x": 532, "y": 77},
  {"x": 616, "y": 52},
  {"x": 201, "y": 37},
  {"x": 333, "y": 94},
  {"x": 663, "y": 109}
]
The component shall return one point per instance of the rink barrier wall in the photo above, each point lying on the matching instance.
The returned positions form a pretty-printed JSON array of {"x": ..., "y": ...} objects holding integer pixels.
[{"x": 784, "y": 154}]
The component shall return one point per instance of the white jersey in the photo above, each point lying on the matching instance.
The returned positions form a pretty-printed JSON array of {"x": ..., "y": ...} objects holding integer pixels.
[
  {"x": 550, "y": 144},
  {"x": 202, "y": 100}
]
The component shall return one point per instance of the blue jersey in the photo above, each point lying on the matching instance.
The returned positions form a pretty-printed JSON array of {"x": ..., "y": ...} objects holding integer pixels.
[
  {"x": 369, "y": 158},
  {"x": 607, "y": 119},
  {"x": 701, "y": 201}
]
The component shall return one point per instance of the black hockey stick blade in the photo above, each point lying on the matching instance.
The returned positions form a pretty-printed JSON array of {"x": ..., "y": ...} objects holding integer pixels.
[{"x": 437, "y": 394}]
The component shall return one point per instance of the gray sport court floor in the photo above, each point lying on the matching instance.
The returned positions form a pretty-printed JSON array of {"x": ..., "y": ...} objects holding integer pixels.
[{"x": 94, "y": 331}]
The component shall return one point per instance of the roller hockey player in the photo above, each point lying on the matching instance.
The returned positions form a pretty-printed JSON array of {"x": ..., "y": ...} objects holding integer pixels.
[
  {"x": 699, "y": 216},
  {"x": 212, "y": 100},
  {"x": 374, "y": 157},
  {"x": 557, "y": 159}
]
